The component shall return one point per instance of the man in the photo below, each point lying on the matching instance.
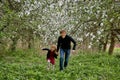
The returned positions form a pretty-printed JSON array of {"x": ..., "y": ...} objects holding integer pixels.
[{"x": 64, "y": 43}]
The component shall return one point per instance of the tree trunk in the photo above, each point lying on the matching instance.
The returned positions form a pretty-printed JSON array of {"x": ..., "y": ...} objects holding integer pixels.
[
  {"x": 13, "y": 46},
  {"x": 29, "y": 43},
  {"x": 104, "y": 47},
  {"x": 112, "y": 43},
  {"x": 105, "y": 44}
]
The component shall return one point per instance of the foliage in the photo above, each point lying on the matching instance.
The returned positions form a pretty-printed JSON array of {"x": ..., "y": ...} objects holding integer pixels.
[{"x": 89, "y": 22}]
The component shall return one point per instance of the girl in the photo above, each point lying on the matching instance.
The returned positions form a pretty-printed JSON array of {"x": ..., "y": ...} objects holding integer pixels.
[{"x": 51, "y": 55}]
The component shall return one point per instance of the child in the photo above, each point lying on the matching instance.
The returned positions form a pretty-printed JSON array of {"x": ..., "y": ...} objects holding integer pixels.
[{"x": 51, "y": 55}]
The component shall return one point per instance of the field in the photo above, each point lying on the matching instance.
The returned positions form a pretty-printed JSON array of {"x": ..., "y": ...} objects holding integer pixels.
[{"x": 31, "y": 65}]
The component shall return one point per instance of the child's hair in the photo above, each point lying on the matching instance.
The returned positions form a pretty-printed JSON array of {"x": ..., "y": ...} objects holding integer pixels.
[{"x": 54, "y": 46}]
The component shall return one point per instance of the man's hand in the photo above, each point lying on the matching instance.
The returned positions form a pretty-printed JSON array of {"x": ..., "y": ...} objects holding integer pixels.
[
  {"x": 56, "y": 53},
  {"x": 73, "y": 51}
]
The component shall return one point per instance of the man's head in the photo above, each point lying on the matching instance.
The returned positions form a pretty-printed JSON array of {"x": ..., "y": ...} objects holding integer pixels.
[{"x": 63, "y": 33}]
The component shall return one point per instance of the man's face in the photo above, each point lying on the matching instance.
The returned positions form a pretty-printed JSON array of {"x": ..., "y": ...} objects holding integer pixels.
[{"x": 63, "y": 34}]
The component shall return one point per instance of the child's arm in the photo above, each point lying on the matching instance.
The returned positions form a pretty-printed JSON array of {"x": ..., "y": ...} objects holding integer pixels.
[
  {"x": 45, "y": 49},
  {"x": 55, "y": 55}
]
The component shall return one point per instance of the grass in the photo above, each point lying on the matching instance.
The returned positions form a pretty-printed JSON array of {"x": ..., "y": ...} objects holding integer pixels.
[
  {"x": 117, "y": 50},
  {"x": 31, "y": 65}
]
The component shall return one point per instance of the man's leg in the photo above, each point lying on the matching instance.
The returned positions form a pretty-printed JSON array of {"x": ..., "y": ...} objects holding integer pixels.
[
  {"x": 67, "y": 54},
  {"x": 61, "y": 58}
]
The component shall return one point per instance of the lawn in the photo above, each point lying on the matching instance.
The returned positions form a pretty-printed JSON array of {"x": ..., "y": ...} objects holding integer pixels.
[
  {"x": 31, "y": 65},
  {"x": 117, "y": 51}
]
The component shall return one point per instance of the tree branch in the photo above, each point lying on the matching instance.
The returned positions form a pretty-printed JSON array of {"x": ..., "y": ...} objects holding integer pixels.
[{"x": 10, "y": 4}]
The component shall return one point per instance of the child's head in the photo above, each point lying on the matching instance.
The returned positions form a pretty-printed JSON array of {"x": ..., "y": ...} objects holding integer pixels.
[
  {"x": 63, "y": 33},
  {"x": 53, "y": 48}
]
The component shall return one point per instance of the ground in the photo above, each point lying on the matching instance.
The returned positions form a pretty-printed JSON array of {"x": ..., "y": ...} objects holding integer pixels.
[{"x": 31, "y": 65}]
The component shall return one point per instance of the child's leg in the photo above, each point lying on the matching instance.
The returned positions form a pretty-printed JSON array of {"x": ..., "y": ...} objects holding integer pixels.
[
  {"x": 52, "y": 63},
  {"x": 53, "y": 67},
  {"x": 48, "y": 64}
]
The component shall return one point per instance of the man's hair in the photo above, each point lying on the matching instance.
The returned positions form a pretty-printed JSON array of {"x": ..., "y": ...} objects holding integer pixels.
[{"x": 62, "y": 31}]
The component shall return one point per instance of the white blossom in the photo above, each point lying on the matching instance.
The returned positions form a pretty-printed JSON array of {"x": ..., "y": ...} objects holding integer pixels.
[
  {"x": 80, "y": 39},
  {"x": 111, "y": 20},
  {"x": 95, "y": 22},
  {"x": 17, "y": 0},
  {"x": 101, "y": 24},
  {"x": 89, "y": 46},
  {"x": 98, "y": 32},
  {"x": 88, "y": 18},
  {"x": 87, "y": 34},
  {"x": 60, "y": 3}
]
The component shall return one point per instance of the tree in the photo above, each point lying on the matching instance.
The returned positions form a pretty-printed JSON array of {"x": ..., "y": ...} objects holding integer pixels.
[{"x": 91, "y": 23}]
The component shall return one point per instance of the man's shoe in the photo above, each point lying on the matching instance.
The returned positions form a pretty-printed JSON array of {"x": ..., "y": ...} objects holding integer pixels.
[{"x": 61, "y": 69}]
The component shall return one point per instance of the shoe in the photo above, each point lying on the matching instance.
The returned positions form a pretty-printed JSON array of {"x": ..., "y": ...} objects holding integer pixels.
[{"x": 61, "y": 69}]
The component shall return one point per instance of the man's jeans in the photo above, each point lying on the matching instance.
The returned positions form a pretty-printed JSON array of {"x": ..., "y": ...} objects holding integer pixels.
[{"x": 64, "y": 53}]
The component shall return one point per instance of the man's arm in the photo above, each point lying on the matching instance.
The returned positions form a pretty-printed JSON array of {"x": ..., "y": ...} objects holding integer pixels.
[
  {"x": 58, "y": 44},
  {"x": 74, "y": 42}
]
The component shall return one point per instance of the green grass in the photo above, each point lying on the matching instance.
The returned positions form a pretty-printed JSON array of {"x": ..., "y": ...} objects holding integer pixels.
[
  {"x": 30, "y": 65},
  {"x": 117, "y": 50}
]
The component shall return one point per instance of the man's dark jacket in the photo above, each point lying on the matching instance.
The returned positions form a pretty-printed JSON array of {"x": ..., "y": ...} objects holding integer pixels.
[{"x": 65, "y": 43}]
